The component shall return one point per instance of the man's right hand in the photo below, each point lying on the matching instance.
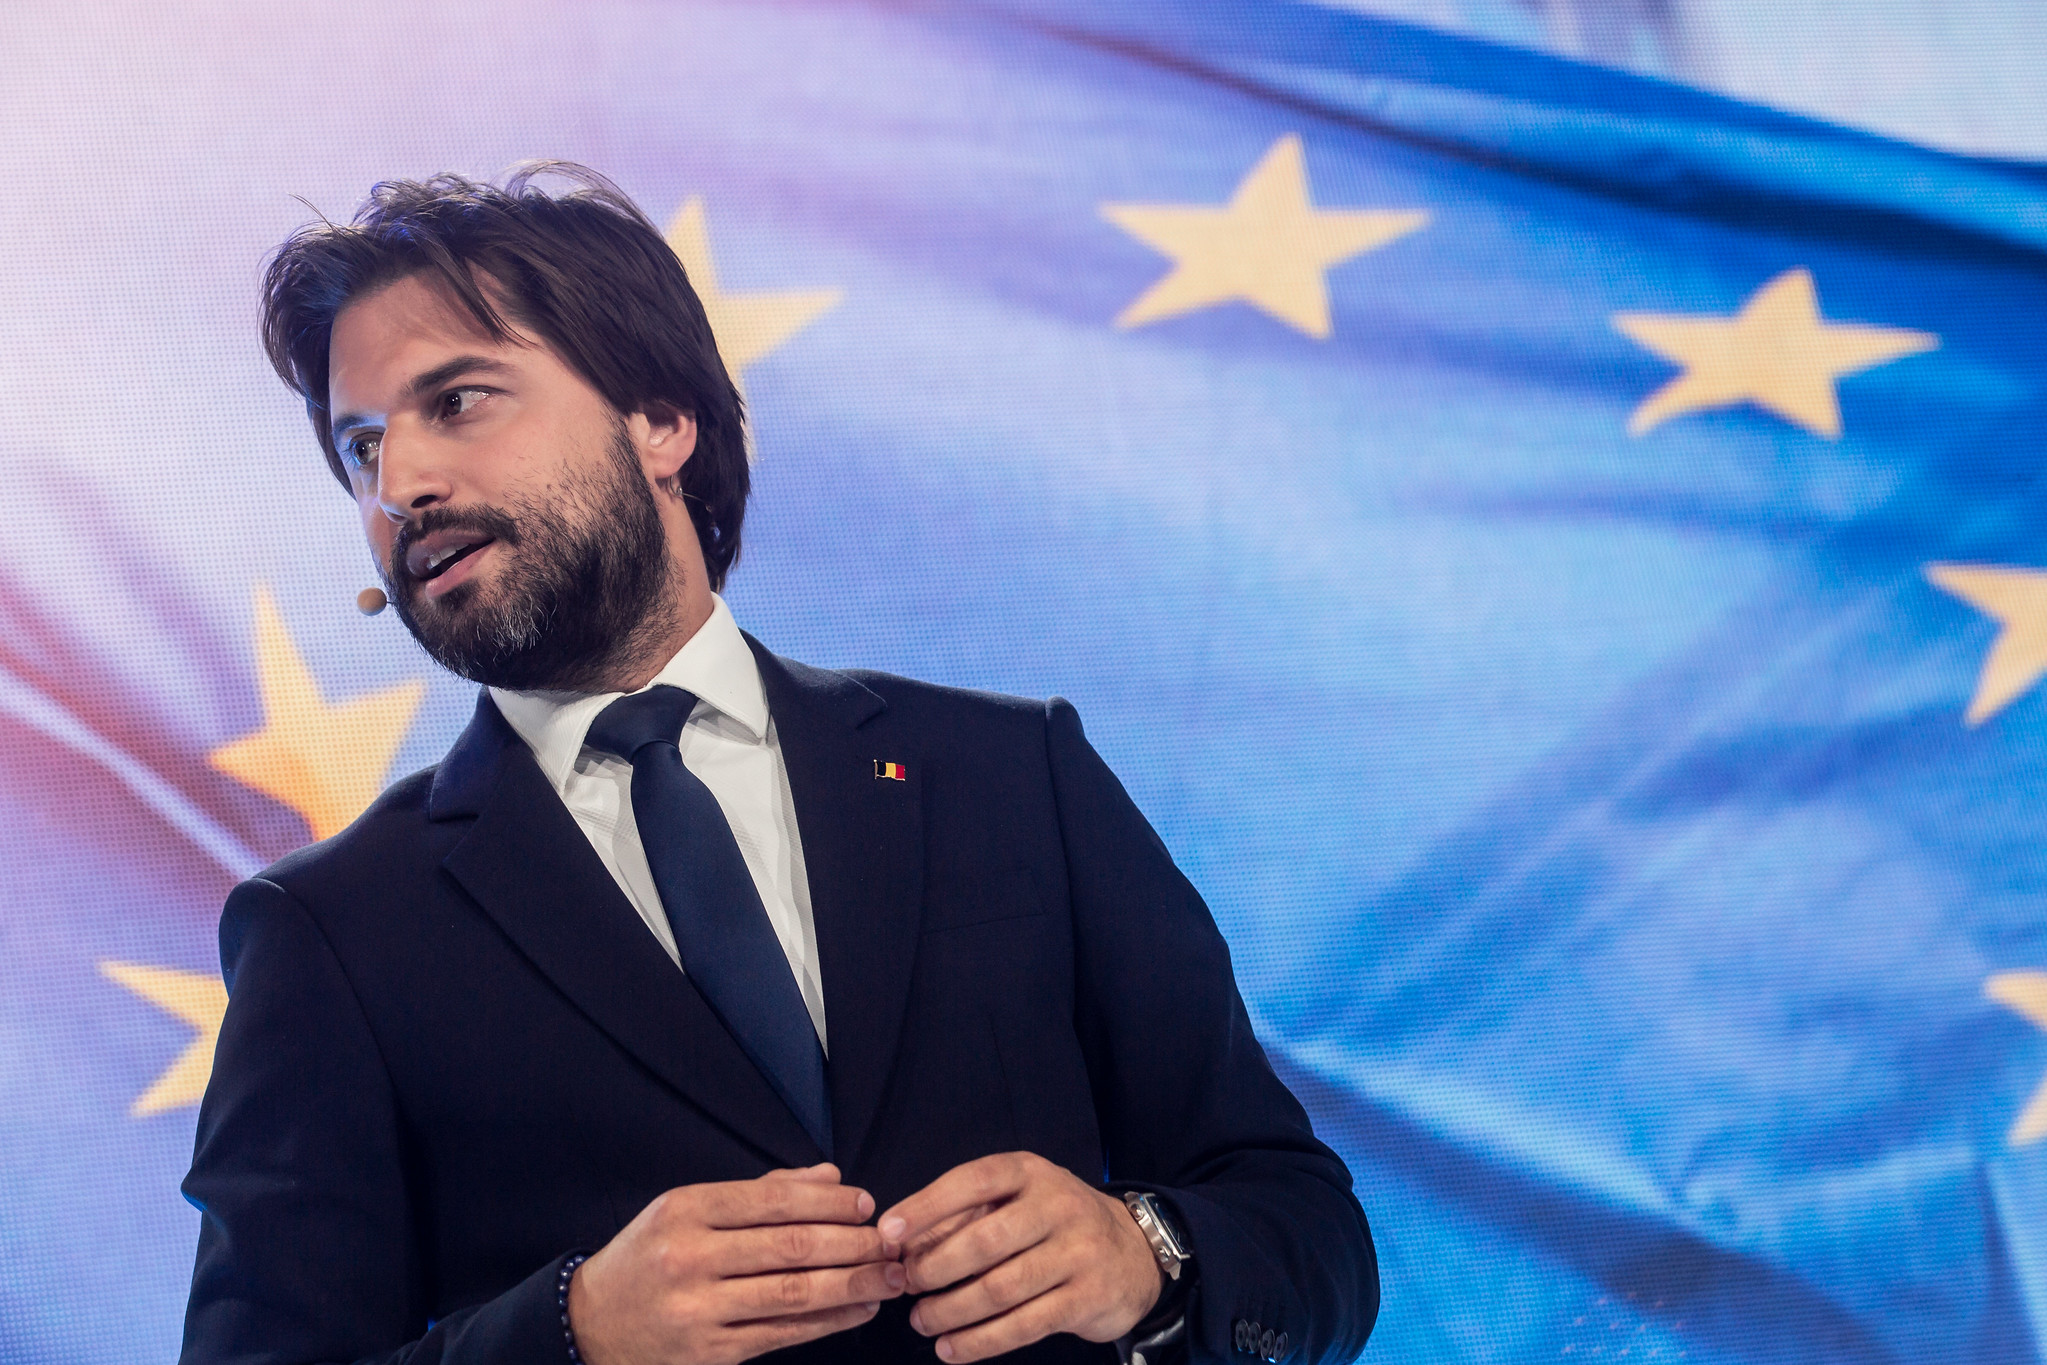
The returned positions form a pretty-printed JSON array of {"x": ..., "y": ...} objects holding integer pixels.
[{"x": 717, "y": 1274}]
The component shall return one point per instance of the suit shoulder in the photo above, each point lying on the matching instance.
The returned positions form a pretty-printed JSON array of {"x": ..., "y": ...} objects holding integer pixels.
[
  {"x": 391, "y": 828},
  {"x": 915, "y": 699}
]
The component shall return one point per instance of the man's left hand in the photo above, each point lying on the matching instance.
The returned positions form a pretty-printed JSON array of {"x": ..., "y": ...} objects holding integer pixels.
[{"x": 1027, "y": 1249}]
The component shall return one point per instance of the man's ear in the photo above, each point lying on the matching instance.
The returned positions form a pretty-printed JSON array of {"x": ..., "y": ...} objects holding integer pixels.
[{"x": 664, "y": 437}]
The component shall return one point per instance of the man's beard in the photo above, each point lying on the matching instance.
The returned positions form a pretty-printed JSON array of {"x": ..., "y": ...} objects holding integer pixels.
[{"x": 582, "y": 587}]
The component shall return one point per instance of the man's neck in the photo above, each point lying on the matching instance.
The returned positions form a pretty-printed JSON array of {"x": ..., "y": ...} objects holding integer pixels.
[{"x": 650, "y": 652}]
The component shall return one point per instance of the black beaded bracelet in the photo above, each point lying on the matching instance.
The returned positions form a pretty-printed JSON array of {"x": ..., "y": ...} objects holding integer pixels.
[{"x": 561, "y": 1300}]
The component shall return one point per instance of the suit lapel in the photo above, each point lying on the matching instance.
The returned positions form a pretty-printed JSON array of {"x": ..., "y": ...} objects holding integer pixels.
[
  {"x": 528, "y": 864},
  {"x": 863, "y": 851}
]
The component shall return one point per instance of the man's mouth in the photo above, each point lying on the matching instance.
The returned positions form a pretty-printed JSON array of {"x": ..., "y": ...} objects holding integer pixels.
[
  {"x": 440, "y": 563},
  {"x": 435, "y": 554}
]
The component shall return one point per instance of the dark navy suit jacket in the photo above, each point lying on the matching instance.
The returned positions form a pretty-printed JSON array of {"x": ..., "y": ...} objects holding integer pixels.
[{"x": 453, "y": 1054}]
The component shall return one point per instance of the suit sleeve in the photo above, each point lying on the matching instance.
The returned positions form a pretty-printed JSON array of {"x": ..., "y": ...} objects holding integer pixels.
[
  {"x": 1189, "y": 1105},
  {"x": 307, "y": 1249}
]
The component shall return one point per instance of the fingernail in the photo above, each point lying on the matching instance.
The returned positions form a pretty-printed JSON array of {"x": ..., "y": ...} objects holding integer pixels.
[
  {"x": 866, "y": 1206},
  {"x": 892, "y": 1228},
  {"x": 893, "y": 1275},
  {"x": 945, "y": 1348},
  {"x": 917, "y": 1320}
]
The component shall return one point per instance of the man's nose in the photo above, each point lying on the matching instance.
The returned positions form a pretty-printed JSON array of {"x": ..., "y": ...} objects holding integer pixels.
[{"x": 411, "y": 476}]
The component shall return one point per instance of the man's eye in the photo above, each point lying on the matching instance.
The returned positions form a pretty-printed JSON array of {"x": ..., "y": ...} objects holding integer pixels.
[
  {"x": 362, "y": 450},
  {"x": 456, "y": 402}
]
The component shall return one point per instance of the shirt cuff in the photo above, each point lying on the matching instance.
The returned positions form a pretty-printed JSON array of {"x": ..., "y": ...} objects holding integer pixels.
[{"x": 1154, "y": 1348}]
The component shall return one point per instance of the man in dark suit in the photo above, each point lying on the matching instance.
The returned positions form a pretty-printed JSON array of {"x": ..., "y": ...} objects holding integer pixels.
[{"x": 700, "y": 1003}]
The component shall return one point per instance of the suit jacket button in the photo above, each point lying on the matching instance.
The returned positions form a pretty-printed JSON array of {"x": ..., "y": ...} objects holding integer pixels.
[
  {"x": 1265, "y": 1345},
  {"x": 1279, "y": 1347}
]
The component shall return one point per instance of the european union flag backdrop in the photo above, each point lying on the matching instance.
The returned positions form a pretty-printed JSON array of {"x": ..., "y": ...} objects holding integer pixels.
[{"x": 1562, "y": 558}]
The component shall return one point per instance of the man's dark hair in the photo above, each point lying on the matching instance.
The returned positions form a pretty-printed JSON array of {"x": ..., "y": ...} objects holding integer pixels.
[{"x": 583, "y": 270}]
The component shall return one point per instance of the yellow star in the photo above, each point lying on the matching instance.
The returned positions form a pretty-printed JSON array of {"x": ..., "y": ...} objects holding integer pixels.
[
  {"x": 746, "y": 326},
  {"x": 325, "y": 762},
  {"x": 1268, "y": 247},
  {"x": 200, "y": 1001},
  {"x": 2018, "y": 599},
  {"x": 2026, "y": 994},
  {"x": 1777, "y": 353}
]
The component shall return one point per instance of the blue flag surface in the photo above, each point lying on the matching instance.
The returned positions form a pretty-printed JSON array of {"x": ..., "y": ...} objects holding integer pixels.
[{"x": 1558, "y": 556}]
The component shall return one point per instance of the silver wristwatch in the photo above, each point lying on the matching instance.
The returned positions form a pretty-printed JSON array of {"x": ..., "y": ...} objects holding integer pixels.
[{"x": 1165, "y": 1243}]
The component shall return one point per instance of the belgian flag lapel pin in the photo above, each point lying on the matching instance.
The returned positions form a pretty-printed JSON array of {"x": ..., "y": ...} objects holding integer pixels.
[{"x": 895, "y": 772}]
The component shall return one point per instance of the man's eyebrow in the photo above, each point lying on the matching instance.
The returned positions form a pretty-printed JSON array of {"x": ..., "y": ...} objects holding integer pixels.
[{"x": 422, "y": 383}]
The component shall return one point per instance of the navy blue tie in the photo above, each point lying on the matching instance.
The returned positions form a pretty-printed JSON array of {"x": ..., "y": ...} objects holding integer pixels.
[{"x": 728, "y": 947}]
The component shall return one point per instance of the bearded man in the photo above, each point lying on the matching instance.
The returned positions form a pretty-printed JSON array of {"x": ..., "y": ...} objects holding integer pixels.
[{"x": 699, "y": 1003}]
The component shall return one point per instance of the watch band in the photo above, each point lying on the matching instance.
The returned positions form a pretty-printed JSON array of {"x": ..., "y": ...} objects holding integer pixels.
[{"x": 1166, "y": 1247}]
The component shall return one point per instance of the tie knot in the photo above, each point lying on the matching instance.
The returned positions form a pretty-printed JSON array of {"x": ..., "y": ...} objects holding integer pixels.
[{"x": 655, "y": 716}]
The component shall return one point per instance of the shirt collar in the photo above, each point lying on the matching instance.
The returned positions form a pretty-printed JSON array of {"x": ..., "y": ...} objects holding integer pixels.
[{"x": 715, "y": 664}]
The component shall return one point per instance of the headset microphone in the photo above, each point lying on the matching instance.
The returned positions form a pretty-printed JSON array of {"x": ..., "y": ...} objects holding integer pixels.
[{"x": 370, "y": 601}]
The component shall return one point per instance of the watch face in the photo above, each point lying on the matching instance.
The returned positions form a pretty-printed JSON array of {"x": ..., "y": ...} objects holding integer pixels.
[{"x": 1164, "y": 1237}]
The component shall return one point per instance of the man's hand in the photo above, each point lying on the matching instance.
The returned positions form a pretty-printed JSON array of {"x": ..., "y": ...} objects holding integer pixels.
[
  {"x": 717, "y": 1274},
  {"x": 1032, "y": 1251}
]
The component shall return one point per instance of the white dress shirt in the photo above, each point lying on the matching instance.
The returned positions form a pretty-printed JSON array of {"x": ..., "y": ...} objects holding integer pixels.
[{"x": 729, "y": 743}]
